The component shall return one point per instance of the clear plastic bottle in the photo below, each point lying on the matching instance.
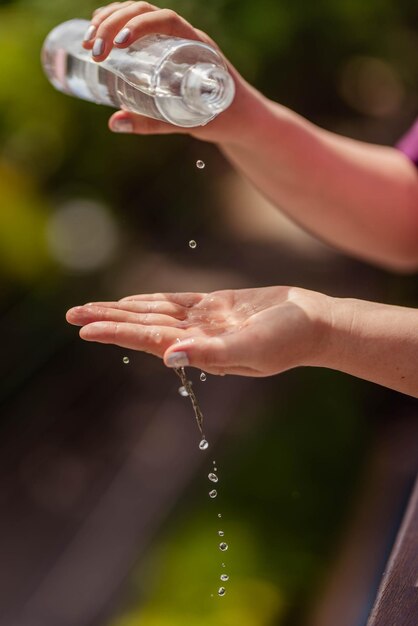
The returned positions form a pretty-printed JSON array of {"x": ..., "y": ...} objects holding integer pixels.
[{"x": 179, "y": 81}]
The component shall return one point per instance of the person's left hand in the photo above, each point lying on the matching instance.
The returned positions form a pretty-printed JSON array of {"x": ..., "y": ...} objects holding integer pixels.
[{"x": 251, "y": 332}]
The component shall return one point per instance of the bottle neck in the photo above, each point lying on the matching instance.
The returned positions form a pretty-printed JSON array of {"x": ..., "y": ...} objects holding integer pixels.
[{"x": 207, "y": 88}]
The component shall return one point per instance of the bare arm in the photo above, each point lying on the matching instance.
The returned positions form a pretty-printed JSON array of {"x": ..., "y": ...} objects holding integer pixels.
[
  {"x": 261, "y": 332},
  {"x": 359, "y": 197},
  {"x": 377, "y": 342}
]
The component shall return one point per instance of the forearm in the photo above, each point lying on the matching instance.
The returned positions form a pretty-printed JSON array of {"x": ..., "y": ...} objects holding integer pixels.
[
  {"x": 359, "y": 197},
  {"x": 376, "y": 342}
]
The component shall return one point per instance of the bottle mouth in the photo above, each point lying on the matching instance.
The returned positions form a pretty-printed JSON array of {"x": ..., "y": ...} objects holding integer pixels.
[{"x": 207, "y": 88}]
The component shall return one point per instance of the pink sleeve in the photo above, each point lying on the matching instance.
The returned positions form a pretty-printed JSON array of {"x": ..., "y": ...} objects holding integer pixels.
[{"x": 408, "y": 144}]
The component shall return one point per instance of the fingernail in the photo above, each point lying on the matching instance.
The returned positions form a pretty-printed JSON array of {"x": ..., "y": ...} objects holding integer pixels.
[
  {"x": 90, "y": 32},
  {"x": 177, "y": 359},
  {"x": 122, "y": 36},
  {"x": 98, "y": 47},
  {"x": 122, "y": 125}
]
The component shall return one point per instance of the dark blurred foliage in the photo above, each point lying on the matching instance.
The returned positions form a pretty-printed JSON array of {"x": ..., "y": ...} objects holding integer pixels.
[{"x": 293, "y": 457}]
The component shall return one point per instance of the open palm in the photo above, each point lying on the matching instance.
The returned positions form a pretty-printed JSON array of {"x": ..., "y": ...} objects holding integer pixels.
[{"x": 251, "y": 332}]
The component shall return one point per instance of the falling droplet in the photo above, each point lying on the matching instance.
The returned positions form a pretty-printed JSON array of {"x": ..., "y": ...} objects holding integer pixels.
[
  {"x": 203, "y": 445},
  {"x": 223, "y": 546},
  {"x": 221, "y": 533},
  {"x": 126, "y": 360},
  {"x": 203, "y": 376},
  {"x": 200, "y": 164},
  {"x": 221, "y": 591},
  {"x": 219, "y": 514},
  {"x": 223, "y": 564},
  {"x": 213, "y": 493},
  {"x": 215, "y": 469},
  {"x": 213, "y": 477},
  {"x": 192, "y": 244},
  {"x": 183, "y": 392},
  {"x": 224, "y": 577}
]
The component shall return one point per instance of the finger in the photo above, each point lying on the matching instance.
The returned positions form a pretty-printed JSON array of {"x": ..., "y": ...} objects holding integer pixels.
[
  {"x": 186, "y": 299},
  {"x": 130, "y": 123},
  {"x": 206, "y": 353},
  {"x": 114, "y": 25},
  {"x": 152, "y": 339},
  {"x": 98, "y": 17},
  {"x": 222, "y": 354},
  {"x": 80, "y": 316},
  {"x": 162, "y": 21},
  {"x": 162, "y": 307}
]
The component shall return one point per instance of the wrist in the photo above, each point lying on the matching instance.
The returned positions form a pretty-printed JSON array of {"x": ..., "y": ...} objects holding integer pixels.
[
  {"x": 247, "y": 116},
  {"x": 340, "y": 333},
  {"x": 313, "y": 347},
  {"x": 240, "y": 125}
]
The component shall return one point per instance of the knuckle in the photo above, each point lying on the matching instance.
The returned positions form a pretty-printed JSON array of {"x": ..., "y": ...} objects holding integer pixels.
[
  {"x": 98, "y": 13},
  {"x": 98, "y": 20},
  {"x": 128, "y": 5},
  {"x": 144, "y": 6},
  {"x": 147, "y": 335},
  {"x": 116, "y": 332},
  {"x": 103, "y": 8},
  {"x": 170, "y": 16},
  {"x": 204, "y": 37}
]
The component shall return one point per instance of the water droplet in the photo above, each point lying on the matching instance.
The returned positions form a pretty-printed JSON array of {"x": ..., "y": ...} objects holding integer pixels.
[
  {"x": 126, "y": 360},
  {"x": 221, "y": 533},
  {"x": 213, "y": 493},
  {"x": 203, "y": 376},
  {"x": 223, "y": 546},
  {"x": 215, "y": 469},
  {"x": 183, "y": 392},
  {"x": 200, "y": 164},
  {"x": 192, "y": 244},
  {"x": 213, "y": 477},
  {"x": 203, "y": 445},
  {"x": 224, "y": 577},
  {"x": 223, "y": 564},
  {"x": 214, "y": 462},
  {"x": 219, "y": 514},
  {"x": 221, "y": 591}
]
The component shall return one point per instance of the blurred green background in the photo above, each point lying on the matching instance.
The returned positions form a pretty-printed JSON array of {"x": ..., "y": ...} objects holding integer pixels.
[{"x": 89, "y": 215}]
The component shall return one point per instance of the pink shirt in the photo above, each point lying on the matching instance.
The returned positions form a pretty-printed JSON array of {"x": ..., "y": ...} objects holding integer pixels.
[{"x": 409, "y": 143}]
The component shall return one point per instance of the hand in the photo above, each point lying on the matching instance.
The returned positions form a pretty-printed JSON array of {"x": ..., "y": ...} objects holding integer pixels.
[
  {"x": 250, "y": 332},
  {"x": 120, "y": 24}
]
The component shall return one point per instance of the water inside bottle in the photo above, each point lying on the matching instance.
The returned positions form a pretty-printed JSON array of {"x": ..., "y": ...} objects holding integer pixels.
[
  {"x": 167, "y": 78},
  {"x": 91, "y": 81}
]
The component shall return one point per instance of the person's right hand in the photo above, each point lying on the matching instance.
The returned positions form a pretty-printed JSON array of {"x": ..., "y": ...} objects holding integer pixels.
[{"x": 120, "y": 24}]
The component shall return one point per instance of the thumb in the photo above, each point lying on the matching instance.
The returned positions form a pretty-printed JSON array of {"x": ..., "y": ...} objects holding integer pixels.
[
  {"x": 206, "y": 353},
  {"x": 127, "y": 122}
]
